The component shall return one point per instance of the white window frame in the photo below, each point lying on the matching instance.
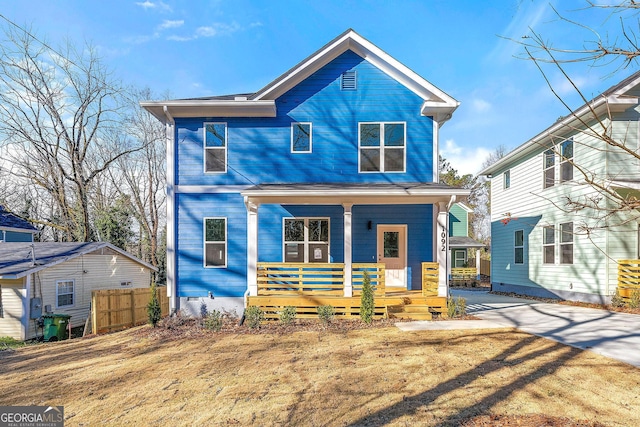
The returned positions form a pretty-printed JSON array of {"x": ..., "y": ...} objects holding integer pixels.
[
  {"x": 381, "y": 147},
  {"x": 566, "y": 160},
  {"x": 72, "y": 293},
  {"x": 310, "y": 150},
  {"x": 545, "y": 154},
  {"x": 456, "y": 259},
  {"x": 562, "y": 243},
  {"x": 506, "y": 179},
  {"x": 546, "y": 244},
  {"x": 217, "y": 242},
  {"x": 205, "y": 148},
  {"x": 516, "y": 247},
  {"x": 306, "y": 241}
]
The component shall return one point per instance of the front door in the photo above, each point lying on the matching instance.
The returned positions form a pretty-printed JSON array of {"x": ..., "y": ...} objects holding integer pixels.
[{"x": 392, "y": 251}]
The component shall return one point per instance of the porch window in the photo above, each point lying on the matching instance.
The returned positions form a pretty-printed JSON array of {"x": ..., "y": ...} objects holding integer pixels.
[
  {"x": 301, "y": 137},
  {"x": 566, "y": 162},
  {"x": 549, "y": 172},
  {"x": 306, "y": 240},
  {"x": 215, "y": 147},
  {"x": 566, "y": 243},
  {"x": 518, "y": 247},
  {"x": 549, "y": 245},
  {"x": 215, "y": 242},
  {"x": 65, "y": 293},
  {"x": 382, "y": 147}
]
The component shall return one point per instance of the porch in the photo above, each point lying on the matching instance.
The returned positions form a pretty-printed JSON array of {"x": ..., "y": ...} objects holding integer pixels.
[{"x": 308, "y": 286}]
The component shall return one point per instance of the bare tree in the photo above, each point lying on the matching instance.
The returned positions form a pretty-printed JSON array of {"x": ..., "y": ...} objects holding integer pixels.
[{"x": 60, "y": 122}]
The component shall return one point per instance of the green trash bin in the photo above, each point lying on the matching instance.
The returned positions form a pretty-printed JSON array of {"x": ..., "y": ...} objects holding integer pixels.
[{"x": 55, "y": 326}]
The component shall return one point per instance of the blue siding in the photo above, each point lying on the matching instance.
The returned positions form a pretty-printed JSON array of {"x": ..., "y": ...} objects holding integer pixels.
[{"x": 259, "y": 148}]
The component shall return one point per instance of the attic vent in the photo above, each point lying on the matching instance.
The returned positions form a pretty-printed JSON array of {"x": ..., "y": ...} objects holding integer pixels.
[{"x": 348, "y": 81}]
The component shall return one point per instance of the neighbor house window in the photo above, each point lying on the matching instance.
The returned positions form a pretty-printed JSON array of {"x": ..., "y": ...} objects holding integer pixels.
[
  {"x": 382, "y": 147},
  {"x": 507, "y": 179},
  {"x": 65, "y": 293},
  {"x": 215, "y": 242},
  {"x": 215, "y": 147},
  {"x": 566, "y": 243},
  {"x": 549, "y": 168},
  {"x": 460, "y": 258},
  {"x": 566, "y": 161},
  {"x": 518, "y": 247},
  {"x": 548, "y": 245},
  {"x": 301, "y": 137},
  {"x": 306, "y": 239}
]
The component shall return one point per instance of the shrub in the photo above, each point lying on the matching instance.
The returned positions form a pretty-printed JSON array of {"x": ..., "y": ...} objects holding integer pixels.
[
  {"x": 287, "y": 315},
  {"x": 634, "y": 301},
  {"x": 326, "y": 314},
  {"x": 367, "y": 304},
  {"x": 253, "y": 316},
  {"x": 616, "y": 300},
  {"x": 213, "y": 321},
  {"x": 456, "y": 307},
  {"x": 154, "y": 311}
]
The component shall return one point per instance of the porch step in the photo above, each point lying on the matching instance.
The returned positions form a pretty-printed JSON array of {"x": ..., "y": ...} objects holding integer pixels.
[{"x": 411, "y": 311}]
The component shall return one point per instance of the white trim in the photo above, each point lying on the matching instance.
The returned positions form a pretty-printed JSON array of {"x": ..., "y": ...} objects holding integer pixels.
[
  {"x": 435, "y": 160},
  {"x": 382, "y": 147},
  {"x": 217, "y": 242},
  {"x": 310, "y": 150},
  {"x": 348, "y": 249},
  {"x": 205, "y": 148},
  {"x": 252, "y": 247},
  {"x": 306, "y": 242},
  {"x": 18, "y": 230},
  {"x": 73, "y": 293},
  {"x": 209, "y": 108},
  {"x": 210, "y": 189},
  {"x": 171, "y": 206}
]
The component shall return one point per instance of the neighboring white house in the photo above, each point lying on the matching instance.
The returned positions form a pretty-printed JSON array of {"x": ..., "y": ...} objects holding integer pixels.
[
  {"x": 36, "y": 278},
  {"x": 543, "y": 245}
]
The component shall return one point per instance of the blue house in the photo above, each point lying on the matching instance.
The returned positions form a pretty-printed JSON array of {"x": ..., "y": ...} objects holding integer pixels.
[
  {"x": 14, "y": 228},
  {"x": 334, "y": 163}
]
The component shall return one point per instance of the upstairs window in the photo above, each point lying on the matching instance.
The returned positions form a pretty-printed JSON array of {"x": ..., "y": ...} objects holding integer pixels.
[
  {"x": 301, "y": 137},
  {"x": 518, "y": 247},
  {"x": 506, "y": 183},
  {"x": 549, "y": 169},
  {"x": 566, "y": 161},
  {"x": 306, "y": 240},
  {"x": 382, "y": 147},
  {"x": 215, "y": 242},
  {"x": 549, "y": 245},
  {"x": 65, "y": 293},
  {"x": 566, "y": 243},
  {"x": 215, "y": 147}
]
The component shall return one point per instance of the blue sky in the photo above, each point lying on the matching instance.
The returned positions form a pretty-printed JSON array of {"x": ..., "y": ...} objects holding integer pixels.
[{"x": 202, "y": 48}]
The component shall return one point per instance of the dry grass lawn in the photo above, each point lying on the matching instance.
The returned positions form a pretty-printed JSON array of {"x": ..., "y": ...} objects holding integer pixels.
[{"x": 337, "y": 377}]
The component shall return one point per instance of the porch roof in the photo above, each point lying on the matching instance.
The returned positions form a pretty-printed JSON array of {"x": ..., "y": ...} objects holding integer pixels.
[
  {"x": 459, "y": 242},
  {"x": 359, "y": 193}
]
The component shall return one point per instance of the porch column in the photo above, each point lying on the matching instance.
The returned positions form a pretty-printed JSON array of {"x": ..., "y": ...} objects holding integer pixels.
[
  {"x": 348, "y": 286},
  {"x": 442, "y": 257},
  {"x": 252, "y": 246},
  {"x": 478, "y": 264}
]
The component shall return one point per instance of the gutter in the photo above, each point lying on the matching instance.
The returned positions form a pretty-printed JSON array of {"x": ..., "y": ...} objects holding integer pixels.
[{"x": 171, "y": 203}]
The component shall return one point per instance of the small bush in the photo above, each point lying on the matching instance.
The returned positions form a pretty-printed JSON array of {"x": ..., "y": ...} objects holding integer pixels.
[
  {"x": 456, "y": 307},
  {"x": 287, "y": 315},
  {"x": 203, "y": 310},
  {"x": 253, "y": 316},
  {"x": 326, "y": 313},
  {"x": 616, "y": 300},
  {"x": 154, "y": 311},
  {"x": 634, "y": 301},
  {"x": 367, "y": 304},
  {"x": 213, "y": 321}
]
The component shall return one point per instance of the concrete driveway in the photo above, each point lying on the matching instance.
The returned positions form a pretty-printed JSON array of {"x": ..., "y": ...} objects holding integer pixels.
[{"x": 611, "y": 334}]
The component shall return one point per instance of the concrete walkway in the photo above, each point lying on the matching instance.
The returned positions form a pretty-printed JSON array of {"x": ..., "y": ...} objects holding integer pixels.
[{"x": 611, "y": 334}]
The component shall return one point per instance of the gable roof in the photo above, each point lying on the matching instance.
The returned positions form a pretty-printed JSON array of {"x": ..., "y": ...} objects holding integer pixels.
[
  {"x": 17, "y": 259},
  {"x": 436, "y": 103},
  {"x": 613, "y": 100},
  {"x": 12, "y": 222}
]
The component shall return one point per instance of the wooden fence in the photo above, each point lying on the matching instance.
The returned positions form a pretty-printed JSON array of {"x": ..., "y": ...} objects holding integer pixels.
[
  {"x": 628, "y": 277},
  {"x": 430, "y": 278},
  {"x": 113, "y": 309},
  {"x": 485, "y": 267}
]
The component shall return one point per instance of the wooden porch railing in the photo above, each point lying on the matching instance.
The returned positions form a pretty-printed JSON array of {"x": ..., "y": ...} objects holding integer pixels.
[
  {"x": 376, "y": 275},
  {"x": 628, "y": 277},
  {"x": 430, "y": 278},
  {"x": 300, "y": 278}
]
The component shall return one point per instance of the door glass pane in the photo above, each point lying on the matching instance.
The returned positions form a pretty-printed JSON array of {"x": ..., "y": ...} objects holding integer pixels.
[{"x": 391, "y": 244}]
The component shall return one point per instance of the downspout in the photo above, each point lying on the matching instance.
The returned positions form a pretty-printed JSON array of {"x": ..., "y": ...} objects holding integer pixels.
[{"x": 171, "y": 227}]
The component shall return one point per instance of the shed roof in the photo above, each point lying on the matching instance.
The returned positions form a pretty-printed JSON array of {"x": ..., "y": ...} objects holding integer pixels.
[
  {"x": 18, "y": 260},
  {"x": 9, "y": 220}
]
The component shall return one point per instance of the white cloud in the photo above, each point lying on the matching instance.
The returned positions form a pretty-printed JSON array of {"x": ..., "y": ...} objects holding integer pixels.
[
  {"x": 480, "y": 105},
  {"x": 213, "y": 30},
  {"x": 464, "y": 159},
  {"x": 159, "y": 5},
  {"x": 166, "y": 24}
]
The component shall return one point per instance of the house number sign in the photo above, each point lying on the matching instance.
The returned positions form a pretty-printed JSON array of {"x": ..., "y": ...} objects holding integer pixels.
[{"x": 443, "y": 240}]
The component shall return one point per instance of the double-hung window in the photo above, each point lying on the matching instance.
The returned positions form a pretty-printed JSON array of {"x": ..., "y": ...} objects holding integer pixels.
[
  {"x": 518, "y": 247},
  {"x": 215, "y": 147},
  {"x": 549, "y": 173},
  {"x": 215, "y": 242},
  {"x": 566, "y": 243},
  {"x": 549, "y": 245},
  {"x": 566, "y": 161},
  {"x": 306, "y": 239},
  {"x": 65, "y": 293},
  {"x": 382, "y": 147},
  {"x": 301, "y": 137}
]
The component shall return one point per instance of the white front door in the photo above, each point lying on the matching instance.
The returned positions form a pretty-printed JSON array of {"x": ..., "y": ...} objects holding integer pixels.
[{"x": 392, "y": 251}]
